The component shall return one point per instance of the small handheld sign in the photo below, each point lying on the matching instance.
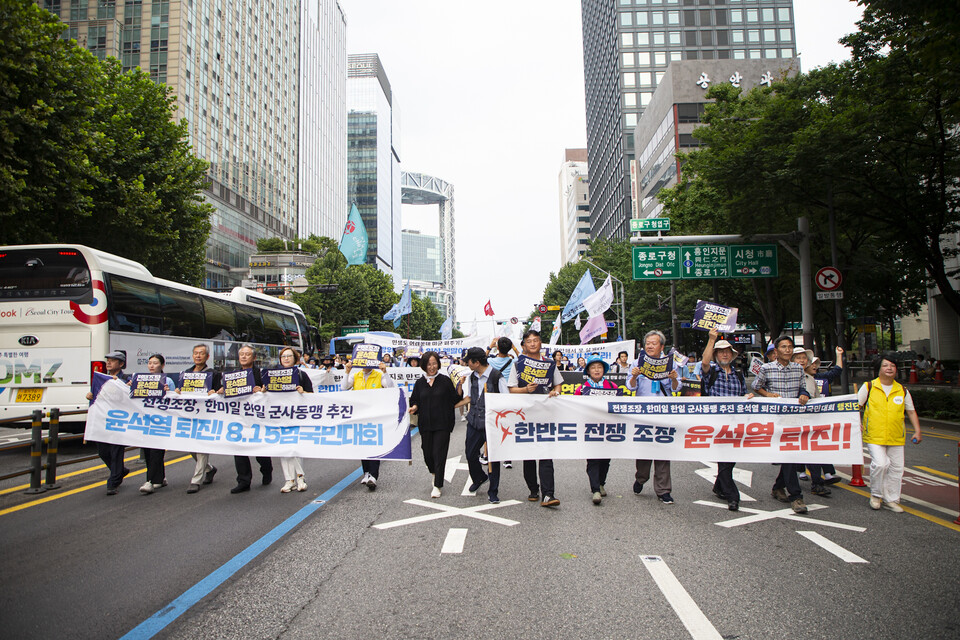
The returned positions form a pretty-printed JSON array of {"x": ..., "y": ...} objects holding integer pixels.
[
  {"x": 654, "y": 368},
  {"x": 196, "y": 381},
  {"x": 238, "y": 383},
  {"x": 366, "y": 355},
  {"x": 708, "y": 316},
  {"x": 281, "y": 379},
  {"x": 147, "y": 385}
]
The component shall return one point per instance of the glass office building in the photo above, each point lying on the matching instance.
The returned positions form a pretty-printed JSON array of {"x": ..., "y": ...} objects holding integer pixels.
[
  {"x": 373, "y": 161},
  {"x": 627, "y": 46},
  {"x": 235, "y": 69}
]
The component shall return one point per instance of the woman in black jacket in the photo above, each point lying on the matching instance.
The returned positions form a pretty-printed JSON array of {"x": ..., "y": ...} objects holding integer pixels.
[{"x": 432, "y": 400}]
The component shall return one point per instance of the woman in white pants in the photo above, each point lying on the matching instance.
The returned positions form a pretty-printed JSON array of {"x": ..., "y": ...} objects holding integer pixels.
[
  {"x": 293, "y": 466},
  {"x": 884, "y": 401}
]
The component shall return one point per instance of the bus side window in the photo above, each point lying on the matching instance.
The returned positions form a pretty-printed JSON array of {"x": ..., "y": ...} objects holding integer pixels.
[
  {"x": 249, "y": 325},
  {"x": 220, "y": 320},
  {"x": 182, "y": 313},
  {"x": 134, "y": 306},
  {"x": 273, "y": 329}
]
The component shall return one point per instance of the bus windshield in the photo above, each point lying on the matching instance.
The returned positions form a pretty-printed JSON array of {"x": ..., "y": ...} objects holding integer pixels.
[{"x": 44, "y": 274}]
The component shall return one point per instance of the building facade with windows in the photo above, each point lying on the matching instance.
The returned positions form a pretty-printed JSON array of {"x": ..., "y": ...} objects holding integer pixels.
[
  {"x": 423, "y": 269},
  {"x": 676, "y": 110},
  {"x": 235, "y": 69},
  {"x": 574, "y": 183},
  {"x": 627, "y": 47},
  {"x": 373, "y": 161}
]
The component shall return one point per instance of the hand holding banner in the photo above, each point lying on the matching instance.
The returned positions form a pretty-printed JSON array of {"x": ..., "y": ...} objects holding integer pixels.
[
  {"x": 366, "y": 355},
  {"x": 238, "y": 383},
  {"x": 281, "y": 379},
  {"x": 192, "y": 381},
  {"x": 654, "y": 368}
]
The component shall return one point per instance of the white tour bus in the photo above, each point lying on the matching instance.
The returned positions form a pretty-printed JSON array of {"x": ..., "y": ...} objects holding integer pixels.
[{"x": 63, "y": 307}]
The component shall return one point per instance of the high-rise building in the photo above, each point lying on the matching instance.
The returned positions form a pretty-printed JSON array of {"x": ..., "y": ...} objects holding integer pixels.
[
  {"x": 574, "y": 182},
  {"x": 322, "y": 206},
  {"x": 627, "y": 45},
  {"x": 429, "y": 261},
  {"x": 235, "y": 69},
  {"x": 373, "y": 161}
]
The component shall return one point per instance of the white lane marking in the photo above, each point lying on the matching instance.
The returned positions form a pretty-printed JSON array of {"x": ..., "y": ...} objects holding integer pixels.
[
  {"x": 447, "y": 511},
  {"x": 905, "y": 498},
  {"x": 454, "y": 542},
  {"x": 832, "y": 547},
  {"x": 697, "y": 624},
  {"x": 710, "y": 475},
  {"x": 453, "y": 465},
  {"x": 784, "y": 514}
]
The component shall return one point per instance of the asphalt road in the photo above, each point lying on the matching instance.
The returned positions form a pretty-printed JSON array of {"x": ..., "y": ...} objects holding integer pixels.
[{"x": 85, "y": 565}]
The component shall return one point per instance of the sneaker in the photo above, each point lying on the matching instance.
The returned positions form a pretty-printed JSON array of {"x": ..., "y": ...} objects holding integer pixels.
[
  {"x": 549, "y": 501},
  {"x": 780, "y": 495},
  {"x": 301, "y": 483},
  {"x": 494, "y": 499},
  {"x": 208, "y": 476},
  {"x": 240, "y": 488},
  {"x": 665, "y": 498},
  {"x": 603, "y": 491},
  {"x": 637, "y": 486},
  {"x": 534, "y": 496},
  {"x": 597, "y": 498},
  {"x": 371, "y": 483},
  {"x": 829, "y": 478},
  {"x": 483, "y": 459},
  {"x": 363, "y": 480},
  {"x": 146, "y": 488},
  {"x": 875, "y": 502},
  {"x": 893, "y": 506},
  {"x": 476, "y": 485},
  {"x": 112, "y": 491},
  {"x": 193, "y": 488},
  {"x": 507, "y": 465},
  {"x": 733, "y": 505},
  {"x": 803, "y": 476},
  {"x": 435, "y": 493},
  {"x": 162, "y": 484},
  {"x": 820, "y": 490},
  {"x": 798, "y": 506},
  {"x": 288, "y": 486}
]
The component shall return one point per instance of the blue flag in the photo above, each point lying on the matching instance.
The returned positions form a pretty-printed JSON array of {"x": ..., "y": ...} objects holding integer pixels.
[
  {"x": 402, "y": 308},
  {"x": 353, "y": 244},
  {"x": 574, "y": 306},
  {"x": 446, "y": 329}
]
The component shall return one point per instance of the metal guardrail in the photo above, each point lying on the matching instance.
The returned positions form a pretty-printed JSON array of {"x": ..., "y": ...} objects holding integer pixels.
[{"x": 29, "y": 416}]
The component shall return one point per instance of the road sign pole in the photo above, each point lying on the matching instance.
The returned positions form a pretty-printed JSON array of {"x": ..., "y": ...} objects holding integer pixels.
[
  {"x": 837, "y": 305},
  {"x": 806, "y": 284},
  {"x": 673, "y": 312}
]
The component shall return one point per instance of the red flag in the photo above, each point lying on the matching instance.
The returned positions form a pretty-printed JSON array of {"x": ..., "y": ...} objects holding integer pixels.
[{"x": 488, "y": 309}]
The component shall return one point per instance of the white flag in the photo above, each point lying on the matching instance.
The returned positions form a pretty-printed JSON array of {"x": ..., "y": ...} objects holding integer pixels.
[
  {"x": 535, "y": 325},
  {"x": 599, "y": 301}
]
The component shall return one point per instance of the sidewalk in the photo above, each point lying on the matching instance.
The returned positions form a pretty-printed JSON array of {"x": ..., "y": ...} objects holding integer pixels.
[{"x": 940, "y": 425}]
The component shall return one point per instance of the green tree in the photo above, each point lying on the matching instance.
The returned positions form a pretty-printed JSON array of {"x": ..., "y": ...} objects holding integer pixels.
[
  {"x": 91, "y": 155},
  {"x": 311, "y": 244}
]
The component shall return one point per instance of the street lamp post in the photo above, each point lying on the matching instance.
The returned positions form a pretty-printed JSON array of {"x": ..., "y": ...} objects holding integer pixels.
[{"x": 623, "y": 292}]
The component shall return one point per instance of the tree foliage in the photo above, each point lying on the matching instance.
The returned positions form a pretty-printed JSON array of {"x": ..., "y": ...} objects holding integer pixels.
[
  {"x": 92, "y": 155},
  {"x": 313, "y": 245}
]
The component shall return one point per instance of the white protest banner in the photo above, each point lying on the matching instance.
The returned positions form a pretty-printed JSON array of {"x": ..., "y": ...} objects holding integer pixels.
[
  {"x": 349, "y": 425},
  {"x": 326, "y": 381},
  {"x": 608, "y": 350},
  {"x": 708, "y": 315},
  {"x": 654, "y": 368},
  {"x": 522, "y": 427},
  {"x": 454, "y": 347}
]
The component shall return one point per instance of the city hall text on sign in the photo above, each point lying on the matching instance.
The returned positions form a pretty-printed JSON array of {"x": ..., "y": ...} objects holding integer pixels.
[{"x": 705, "y": 261}]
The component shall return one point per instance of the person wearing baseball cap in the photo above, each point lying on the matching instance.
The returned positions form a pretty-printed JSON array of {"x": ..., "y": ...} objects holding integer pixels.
[
  {"x": 721, "y": 378},
  {"x": 112, "y": 454}
]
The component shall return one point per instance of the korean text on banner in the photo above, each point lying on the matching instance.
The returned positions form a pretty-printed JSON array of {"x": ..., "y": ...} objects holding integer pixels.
[
  {"x": 147, "y": 385},
  {"x": 654, "y": 368},
  {"x": 366, "y": 354},
  {"x": 237, "y": 384},
  {"x": 709, "y": 315},
  {"x": 349, "y": 425},
  {"x": 281, "y": 379},
  {"x": 191, "y": 381},
  {"x": 827, "y": 430}
]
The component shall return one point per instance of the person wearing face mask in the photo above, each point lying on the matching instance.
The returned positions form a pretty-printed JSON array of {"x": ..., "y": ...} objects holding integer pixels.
[
  {"x": 433, "y": 400},
  {"x": 246, "y": 356},
  {"x": 156, "y": 476}
]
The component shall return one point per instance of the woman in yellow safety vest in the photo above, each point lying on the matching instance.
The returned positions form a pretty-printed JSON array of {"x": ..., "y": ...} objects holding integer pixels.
[
  {"x": 367, "y": 378},
  {"x": 884, "y": 401}
]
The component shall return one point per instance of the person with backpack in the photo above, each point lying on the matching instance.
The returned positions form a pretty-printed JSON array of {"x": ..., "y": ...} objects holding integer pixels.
[
  {"x": 721, "y": 378},
  {"x": 503, "y": 362},
  {"x": 483, "y": 379}
]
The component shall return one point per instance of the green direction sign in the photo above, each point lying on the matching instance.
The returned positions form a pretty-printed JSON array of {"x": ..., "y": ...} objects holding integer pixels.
[
  {"x": 656, "y": 263},
  {"x": 696, "y": 261},
  {"x": 705, "y": 261},
  {"x": 650, "y": 224},
  {"x": 753, "y": 261}
]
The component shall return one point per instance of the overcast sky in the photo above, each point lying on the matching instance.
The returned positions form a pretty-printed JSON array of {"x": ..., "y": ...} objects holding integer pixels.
[{"x": 490, "y": 94}]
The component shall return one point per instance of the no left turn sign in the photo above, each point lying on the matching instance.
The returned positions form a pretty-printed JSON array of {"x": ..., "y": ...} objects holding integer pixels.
[{"x": 829, "y": 279}]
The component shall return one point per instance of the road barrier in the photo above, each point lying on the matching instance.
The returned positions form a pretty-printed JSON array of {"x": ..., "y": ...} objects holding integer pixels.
[
  {"x": 857, "y": 479},
  {"x": 53, "y": 443},
  {"x": 36, "y": 452},
  {"x": 957, "y": 521}
]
